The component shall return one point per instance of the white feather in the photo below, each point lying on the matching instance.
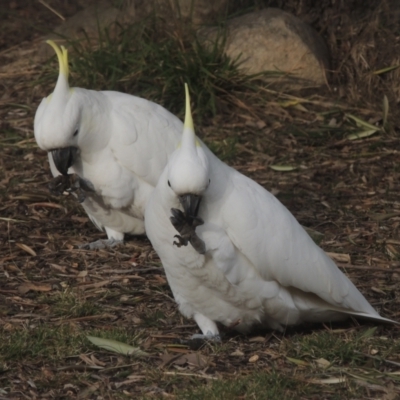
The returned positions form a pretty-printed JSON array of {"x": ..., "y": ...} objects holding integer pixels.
[
  {"x": 260, "y": 266},
  {"x": 124, "y": 143}
]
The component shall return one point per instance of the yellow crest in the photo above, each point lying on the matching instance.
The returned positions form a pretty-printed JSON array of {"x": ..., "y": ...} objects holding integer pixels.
[
  {"x": 188, "y": 115},
  {"x": 62, "y": 55},
  {"x": 188, "y": 124}
]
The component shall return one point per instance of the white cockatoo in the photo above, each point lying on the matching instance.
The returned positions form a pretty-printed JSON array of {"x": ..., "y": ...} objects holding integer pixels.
[
  {"x": 233, "y": 254},
  {"x": 114, "y": 145}
]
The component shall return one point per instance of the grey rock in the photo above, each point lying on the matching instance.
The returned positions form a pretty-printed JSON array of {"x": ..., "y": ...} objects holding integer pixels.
[{"x": 274, "y": 40}]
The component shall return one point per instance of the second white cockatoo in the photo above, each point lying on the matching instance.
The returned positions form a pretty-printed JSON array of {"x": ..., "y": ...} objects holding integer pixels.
[
  {"x": 233, "y": 254},
  {"x": 114, "y": 145}
]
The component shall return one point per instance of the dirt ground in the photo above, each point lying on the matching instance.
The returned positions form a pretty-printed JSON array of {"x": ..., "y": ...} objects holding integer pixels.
[{"x": 347, "y": 190}]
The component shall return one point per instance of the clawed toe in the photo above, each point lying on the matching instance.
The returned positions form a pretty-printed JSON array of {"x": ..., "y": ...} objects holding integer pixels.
[
  {"x": 59, "y": 185},
  {"x": 180, "y": 242}
]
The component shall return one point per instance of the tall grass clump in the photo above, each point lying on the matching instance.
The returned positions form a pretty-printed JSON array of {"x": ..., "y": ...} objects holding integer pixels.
[{"x": 142, "y": 61}]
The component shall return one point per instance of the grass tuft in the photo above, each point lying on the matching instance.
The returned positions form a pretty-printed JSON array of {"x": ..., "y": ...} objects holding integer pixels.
[
  {"x": 339, "y": 350},
  {"x": 144, "y": 63},
  {"x": 258, "y": 385},
  {"x": 70, "y": 305},
  {"x": 54, "y": 343},
  {"x": 43, "y": 341}
]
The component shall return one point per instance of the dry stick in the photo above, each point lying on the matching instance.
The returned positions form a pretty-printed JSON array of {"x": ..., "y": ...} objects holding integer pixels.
[
  {"x": 103, "y": 369},
  {"x": 315, "y": 102},
  {"x": 186, "y": 374},
  {"x": 368, "y": 268},
  {"x": 378, "y": 358},
  {"x": 79, "y": 367},
  {"x": 79, "y": 319},
  {"x": 52, "y": 9}
]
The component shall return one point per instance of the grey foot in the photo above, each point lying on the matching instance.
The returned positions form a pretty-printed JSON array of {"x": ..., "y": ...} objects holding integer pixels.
[
  {"x": 101, "y": 244},
  {"x": 186, "y": 226},
  {"x": 207, "y": 337}
]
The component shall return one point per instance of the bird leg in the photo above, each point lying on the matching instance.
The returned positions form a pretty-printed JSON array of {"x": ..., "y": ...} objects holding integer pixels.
[
  {"x": 208, "y": 327},
  {"x": 186, "y": 224},
  {"x": 80, "y": 187}
]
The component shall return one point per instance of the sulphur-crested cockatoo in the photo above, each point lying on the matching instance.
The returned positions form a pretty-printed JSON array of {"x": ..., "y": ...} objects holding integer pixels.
[
  {"x": 233, "y": 254},
  {"x": 115, "y": 146}
]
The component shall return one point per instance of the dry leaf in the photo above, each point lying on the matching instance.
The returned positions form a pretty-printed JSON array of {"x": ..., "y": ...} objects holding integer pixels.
[
  {"x": 160, "y": 279},
  {"x": 257, "y": 339},
  {"x": 377, "y": 290},
  {"x": 385, "y": 110},
  {"x": 117, "y": 347},
  {"x": 254, "y": 358},
  {"x": 392, "y": 252},
  {"x": 85, "y": 393},
  {"x": 340, "y": 257},
  {"x": 36, "y": 287},
  {"x": 283, "y": 168},
  {"x": 300, "y": 107},
  {"x": 361, "y": 123},
  {"x": 382, "y": 217},
  {"x": 92, "y": 361},
  {"x": 237, "y": 353},
  {"x": 132, "y": 379},
  {"x": 361, "y": 135},
  {"x": 196, "y": 359},
  {"x": 168, "y": 359},
  {"x": 260, "y": 124},
  {"x": 297, "y": 362},
  {"x": 26, "y": 248},
  {"x": 193, "y": 359},
  {"x": 328, "y": 381},
  {"x": 321, "y": 362}
]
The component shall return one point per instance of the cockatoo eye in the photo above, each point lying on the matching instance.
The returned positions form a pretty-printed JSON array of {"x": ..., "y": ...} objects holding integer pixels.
[{"x": 75, "y": 133}]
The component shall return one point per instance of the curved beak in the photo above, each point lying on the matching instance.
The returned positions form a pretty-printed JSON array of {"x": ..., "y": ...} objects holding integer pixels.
[
  {"x": 64, "y": 158},
  {"x": 190, "y": 203}
]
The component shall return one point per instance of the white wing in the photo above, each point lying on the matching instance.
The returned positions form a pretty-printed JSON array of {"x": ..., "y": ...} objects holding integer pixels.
[
  {"x": 268, "y": 235},
  {"x": 147, "y": 133}
]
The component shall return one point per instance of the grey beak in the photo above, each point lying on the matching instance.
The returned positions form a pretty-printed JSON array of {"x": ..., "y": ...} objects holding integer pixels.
[
  {"x": 190, "y": 203},
  {"x": 64, "y": 158}
]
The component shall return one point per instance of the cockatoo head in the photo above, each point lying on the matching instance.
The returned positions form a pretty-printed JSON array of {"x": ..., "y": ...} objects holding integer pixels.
[
  {"x": 58, "y": 118},
  {"x": 188, "y": 169}
]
